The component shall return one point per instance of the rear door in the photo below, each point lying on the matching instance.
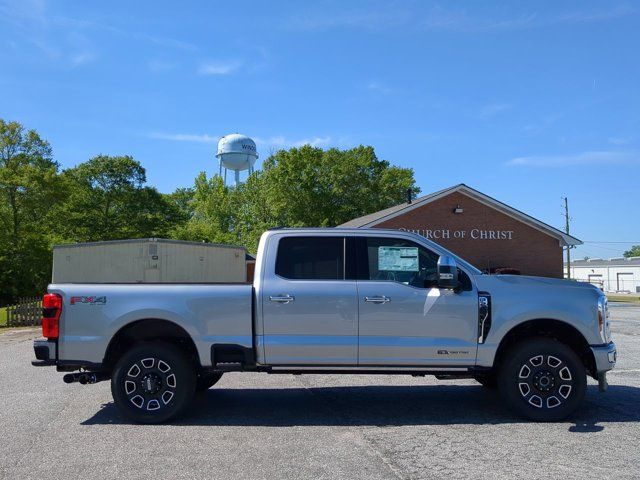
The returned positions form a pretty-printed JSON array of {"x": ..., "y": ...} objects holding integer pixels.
[
  {"x": 404, "y": 318},
  {"x": 310, "y": 308}
]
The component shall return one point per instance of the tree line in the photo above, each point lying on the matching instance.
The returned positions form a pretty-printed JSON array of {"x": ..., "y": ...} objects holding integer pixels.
[{"x": 108, "y": 198}]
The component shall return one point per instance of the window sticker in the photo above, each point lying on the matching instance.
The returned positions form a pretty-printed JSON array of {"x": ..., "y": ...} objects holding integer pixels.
[{"x": 398, "y": 259}]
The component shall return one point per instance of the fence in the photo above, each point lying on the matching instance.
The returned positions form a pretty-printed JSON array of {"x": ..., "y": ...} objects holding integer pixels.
[{"x": 27, "y": 312}]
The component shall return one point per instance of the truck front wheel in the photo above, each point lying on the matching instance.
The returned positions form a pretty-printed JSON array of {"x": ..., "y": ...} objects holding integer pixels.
[
  {"x": 153, "y": 382},
  {"x": 542, "y": 379}
]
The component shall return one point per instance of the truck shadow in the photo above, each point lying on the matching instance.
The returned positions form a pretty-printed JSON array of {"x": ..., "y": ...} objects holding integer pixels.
[{"x": 380, "y": 406}]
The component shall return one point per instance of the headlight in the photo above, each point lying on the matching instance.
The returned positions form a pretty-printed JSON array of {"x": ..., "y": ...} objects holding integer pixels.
[{"x": 603, "y": 319}]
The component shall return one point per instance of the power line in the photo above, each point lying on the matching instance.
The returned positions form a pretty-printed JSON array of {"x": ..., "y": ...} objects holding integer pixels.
[{"x": 593, "y": 241}]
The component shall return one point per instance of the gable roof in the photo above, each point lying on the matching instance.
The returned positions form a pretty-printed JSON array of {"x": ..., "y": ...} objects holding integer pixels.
[{"x": 376, "y": 218}]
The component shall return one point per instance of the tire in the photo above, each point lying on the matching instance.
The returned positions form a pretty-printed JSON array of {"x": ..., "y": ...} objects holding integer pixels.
[
  {"x": 207, "y": 380},
  {"x": 542, "y": 379},
  {"x": 488, "y": 380},
  {"x": 153, "y": 382}
]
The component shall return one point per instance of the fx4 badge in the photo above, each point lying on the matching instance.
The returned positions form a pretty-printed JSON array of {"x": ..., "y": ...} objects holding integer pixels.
[
  {"x": 88, "y": 300},
  {"x": 453, "y": 352}
]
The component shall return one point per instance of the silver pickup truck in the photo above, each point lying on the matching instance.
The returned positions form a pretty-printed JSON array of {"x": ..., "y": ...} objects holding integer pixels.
[{"x": 334, "y": 301}]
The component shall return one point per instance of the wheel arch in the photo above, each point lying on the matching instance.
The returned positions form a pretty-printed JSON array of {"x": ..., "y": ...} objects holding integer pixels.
[
  {"x": 550, "y": 328},
  {"x": 147, "y": 330}
]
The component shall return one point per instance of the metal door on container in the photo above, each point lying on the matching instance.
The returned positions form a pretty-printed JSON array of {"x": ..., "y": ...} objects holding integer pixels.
[
  {"x": 309, "y": 309},
  {"x": 404, "y": 318}
]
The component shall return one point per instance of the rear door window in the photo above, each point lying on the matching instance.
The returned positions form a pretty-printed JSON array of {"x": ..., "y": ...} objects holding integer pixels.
[{"x": 311, "y": 258}]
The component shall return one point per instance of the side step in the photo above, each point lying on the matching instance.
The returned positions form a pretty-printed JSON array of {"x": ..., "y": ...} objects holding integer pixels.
[
  {"x": 229, "y": 367},
  {"x": 232, "y": 357}
]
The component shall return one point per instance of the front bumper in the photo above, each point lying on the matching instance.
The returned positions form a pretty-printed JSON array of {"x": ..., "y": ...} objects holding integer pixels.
[
  {"x": 45, "y": 352},
  {"x": 605, "y": 356}
]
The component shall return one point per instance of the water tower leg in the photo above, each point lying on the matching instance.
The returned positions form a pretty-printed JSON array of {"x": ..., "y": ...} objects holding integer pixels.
[
  {"x": 237, "y": 179},
  {"x": 220, "y": 163},
  {"x": 225, "y": 176}
]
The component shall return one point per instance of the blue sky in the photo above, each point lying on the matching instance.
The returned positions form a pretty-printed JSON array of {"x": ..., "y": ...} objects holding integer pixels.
[{"x": 525, "y": 101}]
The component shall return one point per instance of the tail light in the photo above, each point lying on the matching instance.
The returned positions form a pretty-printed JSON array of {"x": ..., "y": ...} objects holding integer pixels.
[{"x": 51, "y": 310}]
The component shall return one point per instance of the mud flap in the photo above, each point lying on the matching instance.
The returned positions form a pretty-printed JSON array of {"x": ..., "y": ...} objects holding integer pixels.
[{"x": 602, "y": 381}]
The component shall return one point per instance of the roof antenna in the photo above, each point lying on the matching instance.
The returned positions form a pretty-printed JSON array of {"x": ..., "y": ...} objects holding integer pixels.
[{"x": 408, "y": 195}]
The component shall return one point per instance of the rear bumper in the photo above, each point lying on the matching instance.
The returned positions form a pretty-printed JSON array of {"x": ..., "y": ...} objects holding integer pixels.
[
  {"x": 605, "y": 356},
  {"x": 45, "y": 352}
]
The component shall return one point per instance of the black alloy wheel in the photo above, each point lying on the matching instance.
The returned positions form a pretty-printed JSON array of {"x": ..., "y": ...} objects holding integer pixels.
[
  {"x": 153, "y": 382},
  {"x": 543, "y": 379}
]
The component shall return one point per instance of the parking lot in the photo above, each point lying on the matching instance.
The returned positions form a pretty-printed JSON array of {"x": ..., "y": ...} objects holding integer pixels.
[{"x": 312, "y": 426}]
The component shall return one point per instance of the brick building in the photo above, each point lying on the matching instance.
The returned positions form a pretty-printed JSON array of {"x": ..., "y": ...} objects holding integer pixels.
[{"x": 482, "y": 230}]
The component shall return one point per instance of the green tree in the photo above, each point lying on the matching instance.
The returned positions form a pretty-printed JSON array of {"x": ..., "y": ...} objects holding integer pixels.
[
  {"x": 109, "y": 200},
  {"x": 182, "y": 198},
  {"x": 30, "y": 190},
  {"x": 211, "y": 213},
  {"x": 634, "y": 251},
  {"x": 299, "y": 187},
  {"x": 309, "y": 186}
]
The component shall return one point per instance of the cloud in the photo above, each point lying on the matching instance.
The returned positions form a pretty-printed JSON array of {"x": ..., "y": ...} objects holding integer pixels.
[
  {"x": 218, "y": 68},
  {"x": 380, "y": 88},
  {"x": 368, "y": 19},
  {"x": 494, "y": 109},
  {"x": 81, "y": 58},
  {"x": 439, "y": 18},
  {"x": 619, "y": 140},
  {"x": 158, "y": 66},
  {"x": 66, "y": 40},
  {"x": 278, "y": 141},
  {"x": 585, "y": 158},
  {"x": 185, "y": 137},
  {"x": 283, "y": 142}
]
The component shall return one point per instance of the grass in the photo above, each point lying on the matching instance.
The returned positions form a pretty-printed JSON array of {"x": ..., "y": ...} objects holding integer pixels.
[
  {"x": 3, "y": 317},
  {"x": 624, "y": 298}
]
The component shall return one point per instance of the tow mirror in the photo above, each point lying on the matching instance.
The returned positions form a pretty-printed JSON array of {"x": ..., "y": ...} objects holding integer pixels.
[{"x": 447, "y": 272}]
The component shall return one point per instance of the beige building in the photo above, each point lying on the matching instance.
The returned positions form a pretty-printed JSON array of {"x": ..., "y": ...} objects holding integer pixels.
[{"x": 149, "y": 260}]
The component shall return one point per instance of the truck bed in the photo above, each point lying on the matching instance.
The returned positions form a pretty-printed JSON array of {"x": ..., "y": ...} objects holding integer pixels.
[{"x": 209, "y": 313}]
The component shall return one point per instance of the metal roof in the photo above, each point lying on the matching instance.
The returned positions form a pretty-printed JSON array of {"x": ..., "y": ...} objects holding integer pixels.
[
  {"x": 378, "y": 217},
  {"x": 612, "y": 262},
  {"x": 148, "y": 240}
]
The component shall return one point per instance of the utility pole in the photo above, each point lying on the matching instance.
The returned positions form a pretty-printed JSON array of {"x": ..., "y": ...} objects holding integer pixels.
[{"x": 566, "y": 229}]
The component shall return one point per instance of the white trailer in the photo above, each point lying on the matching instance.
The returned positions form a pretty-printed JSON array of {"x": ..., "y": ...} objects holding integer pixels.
[{"x": 148, "y": 260}]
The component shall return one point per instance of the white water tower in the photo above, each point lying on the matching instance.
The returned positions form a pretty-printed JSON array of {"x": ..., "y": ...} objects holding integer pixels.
[{"x": 236, "y": 153}]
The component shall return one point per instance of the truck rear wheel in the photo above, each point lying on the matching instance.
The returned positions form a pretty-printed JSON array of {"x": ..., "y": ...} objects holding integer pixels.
[
  {"x": 542, "y": 379},
  {"x": 153, "y": 382}
]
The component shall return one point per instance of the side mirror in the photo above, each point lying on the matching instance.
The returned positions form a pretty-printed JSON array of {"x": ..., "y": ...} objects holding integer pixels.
[{"x": 447, "y": 272}]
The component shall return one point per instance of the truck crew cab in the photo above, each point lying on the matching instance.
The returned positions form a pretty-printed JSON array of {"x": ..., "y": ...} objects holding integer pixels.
[{"x": 334, "y": 300}]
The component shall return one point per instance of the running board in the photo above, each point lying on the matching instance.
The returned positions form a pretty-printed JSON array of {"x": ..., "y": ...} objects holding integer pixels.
[{"x": 324, "y": 369}]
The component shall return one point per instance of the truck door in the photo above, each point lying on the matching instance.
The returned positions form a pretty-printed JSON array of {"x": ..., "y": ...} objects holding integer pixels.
[
  {"x": 309, "y": 308},
  {"x": 404, "y": 318}
]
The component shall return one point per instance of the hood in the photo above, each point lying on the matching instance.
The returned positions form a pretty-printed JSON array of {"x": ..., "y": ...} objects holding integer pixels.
[{"x": 524, "y": 280}]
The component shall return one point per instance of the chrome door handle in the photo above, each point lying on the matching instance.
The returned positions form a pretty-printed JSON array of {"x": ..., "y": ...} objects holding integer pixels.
[
  {"x": 377, "y": 299},
  {"x": 283, "y": 299}
]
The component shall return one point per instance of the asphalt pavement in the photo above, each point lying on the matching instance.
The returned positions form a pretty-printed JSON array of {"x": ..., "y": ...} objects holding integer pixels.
[{"x": 260, "y": 426}]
